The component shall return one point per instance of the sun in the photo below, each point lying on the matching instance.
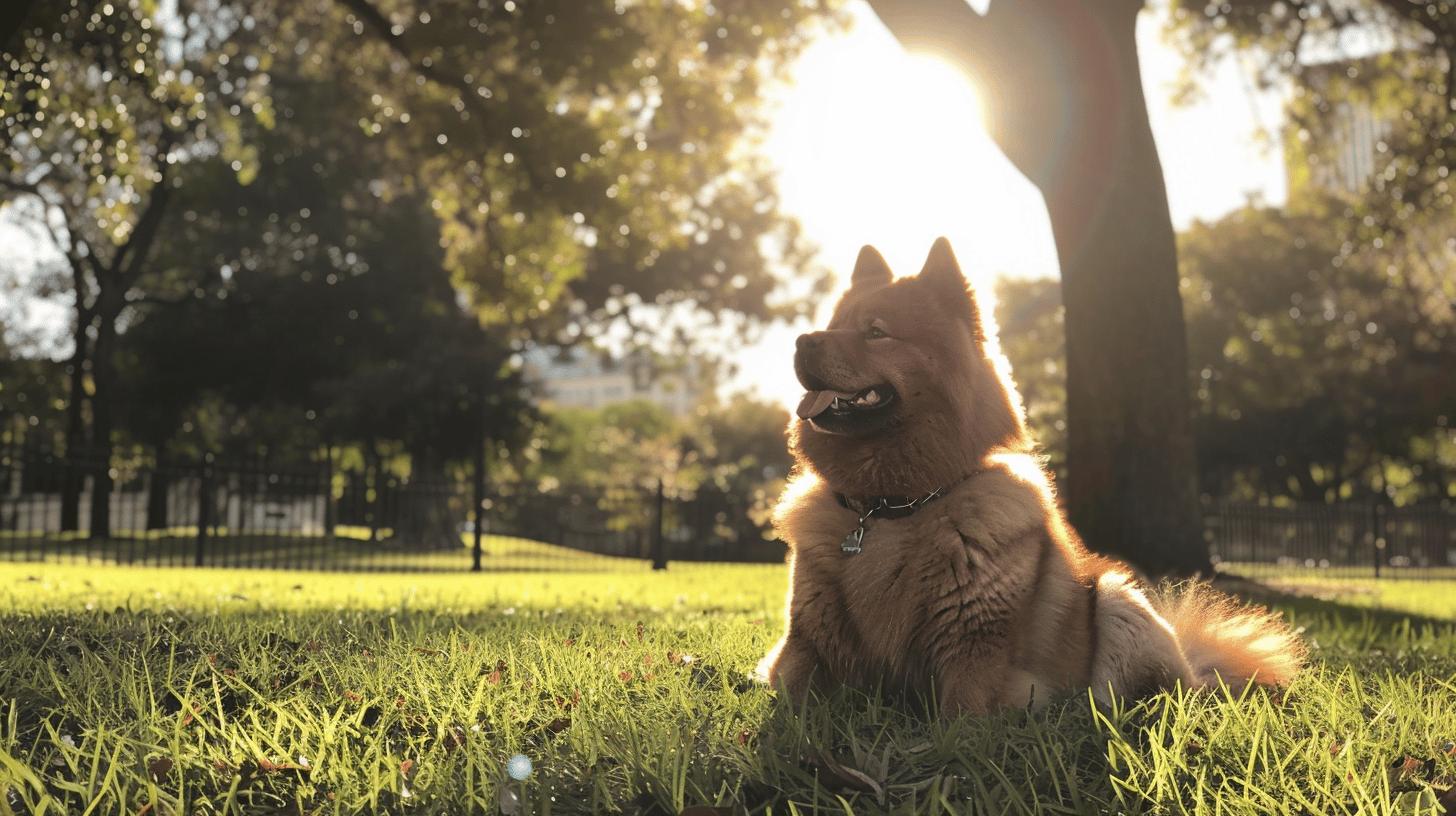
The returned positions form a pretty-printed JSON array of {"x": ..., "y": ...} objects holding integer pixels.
[{"x": 876, "y": 146}]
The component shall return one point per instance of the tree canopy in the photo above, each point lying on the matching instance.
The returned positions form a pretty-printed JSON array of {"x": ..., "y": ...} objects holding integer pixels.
[
  {"x": 1389, "y": 62},
  {"x": 1320, "y": 375},
  {"x": 354, "y": 193}
]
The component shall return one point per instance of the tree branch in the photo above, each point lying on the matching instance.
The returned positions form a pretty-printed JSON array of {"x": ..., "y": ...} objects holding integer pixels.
[
  {"x": 1442, "y": 27},
  {"x": 381, "y": 26},
  {"x": 949, "y": 29},
  {"x": 133, "y": 253},
  {"x": 161, "y": 300},
  {"x": 21, "y": 186},
  {"x": 70, "y": 248},
  {"x": 33, "y": 188}
]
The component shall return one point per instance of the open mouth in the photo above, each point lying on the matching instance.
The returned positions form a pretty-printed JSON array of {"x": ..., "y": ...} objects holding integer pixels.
[{"x": 829, "y": 404}]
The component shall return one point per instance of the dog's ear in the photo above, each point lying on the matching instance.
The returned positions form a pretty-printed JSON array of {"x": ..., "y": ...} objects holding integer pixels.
[
  {"x": 870, "y": 269},
  {"x": 942, "y": 274}
]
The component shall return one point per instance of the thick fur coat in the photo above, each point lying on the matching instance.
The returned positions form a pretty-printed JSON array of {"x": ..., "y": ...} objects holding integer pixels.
[{"x": 983, "y": 597}]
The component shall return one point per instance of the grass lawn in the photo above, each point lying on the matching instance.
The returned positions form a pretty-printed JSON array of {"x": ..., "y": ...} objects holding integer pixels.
[{"x": 157, "y": 691}]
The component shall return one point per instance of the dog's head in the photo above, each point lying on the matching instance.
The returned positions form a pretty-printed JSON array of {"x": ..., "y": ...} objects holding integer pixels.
[{"x": 901, "y": 394}]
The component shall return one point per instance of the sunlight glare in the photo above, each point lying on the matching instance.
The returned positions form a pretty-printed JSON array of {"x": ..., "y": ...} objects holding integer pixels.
[{"x": 876, "y": 146}]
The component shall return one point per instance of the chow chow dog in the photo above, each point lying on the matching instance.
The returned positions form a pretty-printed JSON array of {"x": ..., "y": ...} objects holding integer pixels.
[{"x": 927, "y": 553}]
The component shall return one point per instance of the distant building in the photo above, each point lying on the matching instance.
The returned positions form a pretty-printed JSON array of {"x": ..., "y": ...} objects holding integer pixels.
[
  {"x": 1349, "y": 148},
  {"x": 582, "y": 377}
]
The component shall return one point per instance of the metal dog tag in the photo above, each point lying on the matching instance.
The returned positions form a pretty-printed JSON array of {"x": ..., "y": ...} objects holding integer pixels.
[{"x": 851, "y": 542}]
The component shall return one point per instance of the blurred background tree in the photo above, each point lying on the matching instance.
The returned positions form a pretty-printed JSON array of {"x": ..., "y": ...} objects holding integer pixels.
[
  {"x": 1389, "y": 65},
  {"x": 1320, "y": 374},
  {"x": 369, "y": 207},
  {"x": 100, "y": 104},
  {"x": 734, "y": 447}
]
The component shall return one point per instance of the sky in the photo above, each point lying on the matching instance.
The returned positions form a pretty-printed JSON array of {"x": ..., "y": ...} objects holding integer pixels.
[{"x": 874, "y": 146}]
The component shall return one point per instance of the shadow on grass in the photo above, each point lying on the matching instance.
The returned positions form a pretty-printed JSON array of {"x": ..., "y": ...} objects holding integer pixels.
[
  {"x": 1309, "y": 605},
  {"x": 1368, "y": 639},
  {"x": 875, "y": 753}
]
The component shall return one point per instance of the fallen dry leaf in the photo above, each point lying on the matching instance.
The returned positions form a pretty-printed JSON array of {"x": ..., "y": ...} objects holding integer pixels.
[
  {"x": 269, "y": 766},
  {"x": 454, "y": 738},
  {"x": 844, "y": 776},
  {"x": 1404, "y": 770}
]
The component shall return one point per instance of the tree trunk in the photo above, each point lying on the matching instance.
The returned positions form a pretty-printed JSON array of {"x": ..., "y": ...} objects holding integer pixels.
[
  {"x": 73, "y": 477},
  {"x": 331, "y": 518},
  {"x": 112, "y": 284},
  {"x": 1063, "y": 95},
  {"x": 374, "y": 487},
  {"x": 425, "y": 519},
  {"x": 157, "y": 490},
  {"x": 103, "y": 376},
  {"x": 1131, "y": 489}
]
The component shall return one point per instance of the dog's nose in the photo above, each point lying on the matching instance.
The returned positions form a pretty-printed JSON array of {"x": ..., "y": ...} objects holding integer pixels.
[{"x": 807, "y": 342}]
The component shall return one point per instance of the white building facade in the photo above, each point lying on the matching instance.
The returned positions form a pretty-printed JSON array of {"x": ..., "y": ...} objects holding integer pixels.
[{"x": 582, "y": 377}]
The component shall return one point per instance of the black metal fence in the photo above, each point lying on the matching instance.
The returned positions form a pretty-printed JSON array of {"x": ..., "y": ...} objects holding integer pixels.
[
  {"x": 1348, "y": 540},
  {"x": 141, "y": 510}
]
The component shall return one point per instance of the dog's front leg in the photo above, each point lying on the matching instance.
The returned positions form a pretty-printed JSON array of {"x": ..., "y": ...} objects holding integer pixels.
[
  {"x": 970, "y": 676},
  {"x": 791, "y": 665}
]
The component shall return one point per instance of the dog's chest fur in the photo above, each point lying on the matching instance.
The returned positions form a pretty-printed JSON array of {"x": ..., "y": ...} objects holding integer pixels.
[{"x": 925, "y": 587}]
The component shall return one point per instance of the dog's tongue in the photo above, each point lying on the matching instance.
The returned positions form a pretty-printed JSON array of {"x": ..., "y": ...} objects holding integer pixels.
[{"x": 815, "y": 403}]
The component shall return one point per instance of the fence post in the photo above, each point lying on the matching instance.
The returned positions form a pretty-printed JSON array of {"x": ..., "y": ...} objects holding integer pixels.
[
  {"x": 1377, "y": 533},
  {"x": 330, "y": 516},
  {"x": 659, "y": 550},
  {"x": 478, "y": 513},
  {"x": 204, "y": 505}
]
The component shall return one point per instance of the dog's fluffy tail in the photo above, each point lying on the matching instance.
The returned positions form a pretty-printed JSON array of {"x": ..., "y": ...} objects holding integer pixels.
[{"x": 1223, "y": 639}]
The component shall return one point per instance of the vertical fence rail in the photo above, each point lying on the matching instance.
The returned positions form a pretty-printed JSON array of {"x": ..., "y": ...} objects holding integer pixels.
[
  {"x": 477, "y": 502},
  {"x": 659, "y": 544},
  {"x": 203, "y": 516}
]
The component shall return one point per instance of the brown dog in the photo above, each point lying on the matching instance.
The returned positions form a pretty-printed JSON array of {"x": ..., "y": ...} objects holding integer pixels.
[{"x": 927, "y": 554}]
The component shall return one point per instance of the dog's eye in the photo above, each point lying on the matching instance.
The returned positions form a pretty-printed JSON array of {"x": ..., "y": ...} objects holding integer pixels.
[{"x": 875, "y": 331}]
